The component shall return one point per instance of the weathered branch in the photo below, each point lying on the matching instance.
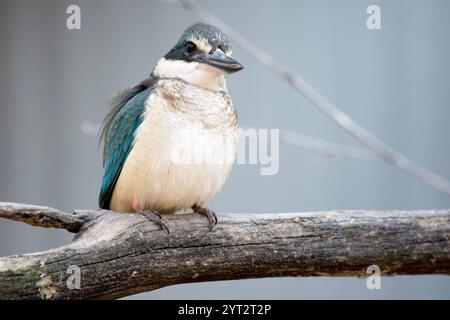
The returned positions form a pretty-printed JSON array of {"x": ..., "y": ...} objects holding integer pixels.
[
  {"x": 124, "y": 254},
  {"x": 44, "y": 216}
]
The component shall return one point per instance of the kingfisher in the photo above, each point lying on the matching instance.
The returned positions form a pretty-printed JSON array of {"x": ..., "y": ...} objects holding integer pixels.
[{"x": 169, "y": 143}]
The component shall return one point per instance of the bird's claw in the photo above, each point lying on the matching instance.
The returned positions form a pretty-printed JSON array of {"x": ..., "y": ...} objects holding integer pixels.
[
  {"x": 156, "y": 218},
  {"x": 212, "y": 218}
]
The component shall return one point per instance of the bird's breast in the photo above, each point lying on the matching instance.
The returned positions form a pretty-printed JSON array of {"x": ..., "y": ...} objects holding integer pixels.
[{"x": 183, "y": 151}]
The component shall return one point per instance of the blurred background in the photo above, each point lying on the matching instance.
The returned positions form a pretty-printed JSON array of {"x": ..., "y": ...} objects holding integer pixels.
[{"x": 55, "y": 85}]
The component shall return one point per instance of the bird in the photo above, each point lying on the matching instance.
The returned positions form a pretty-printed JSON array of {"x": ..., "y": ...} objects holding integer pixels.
[{"x": 154, "y": 132}]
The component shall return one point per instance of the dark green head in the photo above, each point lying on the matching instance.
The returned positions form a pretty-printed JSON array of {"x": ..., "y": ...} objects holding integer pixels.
[{"x": 205, "y": 44}]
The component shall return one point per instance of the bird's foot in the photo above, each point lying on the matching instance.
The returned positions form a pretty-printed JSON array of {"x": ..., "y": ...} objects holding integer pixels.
[
  {"x": 212, "y": 218},
  {"x": 154, "y": 217}
]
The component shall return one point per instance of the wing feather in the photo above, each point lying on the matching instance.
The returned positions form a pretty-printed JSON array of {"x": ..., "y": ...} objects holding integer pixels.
[{"x": 118, "y": 135}]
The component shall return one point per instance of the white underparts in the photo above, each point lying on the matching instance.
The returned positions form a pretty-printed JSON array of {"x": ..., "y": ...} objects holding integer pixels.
[{"x": 158, "y": 173}]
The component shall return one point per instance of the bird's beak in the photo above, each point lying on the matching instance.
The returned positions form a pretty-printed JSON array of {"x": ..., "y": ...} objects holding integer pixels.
[{"x": 221, "y": 61}]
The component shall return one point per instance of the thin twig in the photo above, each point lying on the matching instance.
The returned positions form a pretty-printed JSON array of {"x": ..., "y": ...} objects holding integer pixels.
[
  {"x": 360, "y": 133},
  {"x": 325, "y": 149}
]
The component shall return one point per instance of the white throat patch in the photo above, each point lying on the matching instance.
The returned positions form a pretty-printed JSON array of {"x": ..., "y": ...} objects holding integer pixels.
[{"x": 195, "y": 73}]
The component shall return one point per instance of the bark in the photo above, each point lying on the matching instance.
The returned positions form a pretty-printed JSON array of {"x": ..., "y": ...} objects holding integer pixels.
[{"x": 123, "y": 254}]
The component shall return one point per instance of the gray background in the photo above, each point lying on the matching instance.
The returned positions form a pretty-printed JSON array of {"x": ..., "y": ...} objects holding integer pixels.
[{"x": 394, "y": 81}]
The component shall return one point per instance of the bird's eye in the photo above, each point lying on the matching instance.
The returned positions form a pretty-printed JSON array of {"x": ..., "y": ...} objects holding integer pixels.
[{"x": 190, "y": 47}]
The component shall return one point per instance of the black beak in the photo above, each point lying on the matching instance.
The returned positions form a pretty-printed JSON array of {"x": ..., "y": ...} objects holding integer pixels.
[{"x": 220, "y": 60}]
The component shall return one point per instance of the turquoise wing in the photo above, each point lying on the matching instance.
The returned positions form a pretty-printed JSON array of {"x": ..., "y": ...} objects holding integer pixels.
[{"x": 118, "y": 142}]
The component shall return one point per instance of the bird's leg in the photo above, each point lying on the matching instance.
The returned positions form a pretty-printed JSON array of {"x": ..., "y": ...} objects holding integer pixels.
[
  {"x": 212, "y": 218},
  {"x": 154, "y": 217}
]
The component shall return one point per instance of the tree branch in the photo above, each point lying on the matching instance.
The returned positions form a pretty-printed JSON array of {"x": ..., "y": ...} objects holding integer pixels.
[
  {"x": 123, "y": 254},
  {"x": 44, "y": 216}
]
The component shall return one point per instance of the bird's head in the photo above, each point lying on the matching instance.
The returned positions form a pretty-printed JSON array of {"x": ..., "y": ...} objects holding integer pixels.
[{"x": 201, "y": 57}]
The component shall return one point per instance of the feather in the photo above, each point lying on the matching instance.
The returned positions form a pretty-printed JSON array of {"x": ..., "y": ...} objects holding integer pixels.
[
  {"x": 117, "y": 134},
  {"x": 117, "y": 103}
]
